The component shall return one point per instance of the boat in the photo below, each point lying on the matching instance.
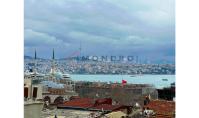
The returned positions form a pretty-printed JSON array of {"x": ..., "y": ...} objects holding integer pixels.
[
  {"x": 137, "y": 74},
  {"x": 164, "y": 79},
  {"x": 133, "y": 76}
]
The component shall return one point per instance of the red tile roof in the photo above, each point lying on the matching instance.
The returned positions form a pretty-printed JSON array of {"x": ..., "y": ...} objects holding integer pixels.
[
  {"x": 91, "y": 104},
  {"x": 107, "y": 107},
  {"x": 162, "y": 108},
  {"x": 103, "y": 101},
  {"x": 81, "y": 103}
]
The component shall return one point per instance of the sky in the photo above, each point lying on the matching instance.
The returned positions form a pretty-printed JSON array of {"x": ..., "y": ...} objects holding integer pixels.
[{"x": 145, "y": 28}]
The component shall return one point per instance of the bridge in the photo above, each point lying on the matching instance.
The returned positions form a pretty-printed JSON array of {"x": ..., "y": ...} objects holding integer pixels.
[{"x": 57, "y": 98}]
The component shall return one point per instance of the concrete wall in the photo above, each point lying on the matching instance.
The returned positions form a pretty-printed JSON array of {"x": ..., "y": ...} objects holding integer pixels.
[
  {"x": 30, "y": 87},
  {"x": 123, "y": 95}
]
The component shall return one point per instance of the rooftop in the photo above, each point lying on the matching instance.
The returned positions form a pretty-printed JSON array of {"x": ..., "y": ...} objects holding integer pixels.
[
  {"x": 107, "y": 107},
  {"x": 162, "y": 108},
  {"x": 79, "y": 103},
  {"x": 91, "y": 104}
]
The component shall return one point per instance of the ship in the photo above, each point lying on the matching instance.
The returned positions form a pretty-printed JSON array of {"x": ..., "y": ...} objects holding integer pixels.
[{"x": 164, "y": 79}]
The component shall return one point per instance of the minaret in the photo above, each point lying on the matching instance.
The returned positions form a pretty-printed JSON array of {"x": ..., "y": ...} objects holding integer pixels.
[
  {"x": 34, "y": 69},
  {"x": 53, "y": 54},
  {"x": 34, "y": 72},
  {"x": 35, "y": 54},
  {"x": 53, "y": 63}
]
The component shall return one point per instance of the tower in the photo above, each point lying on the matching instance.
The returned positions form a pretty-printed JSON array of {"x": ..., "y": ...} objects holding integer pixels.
[
  {"x": 34, "y": 73},
  {"x": 35, "y": 59},
  {"x": 53, "y": 63},
  {"x": 35, "y": 54},
  {"x": 53, "y": 54}
]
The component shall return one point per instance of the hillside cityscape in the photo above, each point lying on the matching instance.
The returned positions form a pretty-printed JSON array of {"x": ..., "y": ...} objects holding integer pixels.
[{"x": 75, "y": 66}]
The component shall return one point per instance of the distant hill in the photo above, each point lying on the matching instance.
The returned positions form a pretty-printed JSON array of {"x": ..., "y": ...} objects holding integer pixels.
[{"x": 28, "y": 57}]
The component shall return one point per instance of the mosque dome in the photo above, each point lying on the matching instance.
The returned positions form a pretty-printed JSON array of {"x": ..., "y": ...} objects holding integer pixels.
[{"x": 58, "y": 75}]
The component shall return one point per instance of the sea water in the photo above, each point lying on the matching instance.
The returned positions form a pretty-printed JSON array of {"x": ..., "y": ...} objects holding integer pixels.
[{"x": 155, "y": 80}]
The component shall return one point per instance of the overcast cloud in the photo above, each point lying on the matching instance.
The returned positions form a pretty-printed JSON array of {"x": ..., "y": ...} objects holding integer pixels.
[{"x": 104, "y": 27}]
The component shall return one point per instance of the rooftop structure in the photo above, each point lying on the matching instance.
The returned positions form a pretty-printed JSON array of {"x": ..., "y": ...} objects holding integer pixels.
[
  {"x": 167, "y": 93},
  {"x": 161, "y": 108},
  {"x": 127, "y": 94}
]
